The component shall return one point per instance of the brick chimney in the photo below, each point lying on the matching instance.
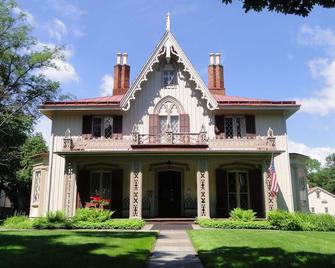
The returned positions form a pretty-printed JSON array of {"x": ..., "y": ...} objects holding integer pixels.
[
  {"x": 215, "y": 75},
  {"x": 121, "y": 74}
]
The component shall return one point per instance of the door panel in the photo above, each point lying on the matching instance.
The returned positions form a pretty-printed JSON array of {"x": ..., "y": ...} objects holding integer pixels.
[
  {"x": 169, "y": 194},
  {"x": 116, "y": 192}
]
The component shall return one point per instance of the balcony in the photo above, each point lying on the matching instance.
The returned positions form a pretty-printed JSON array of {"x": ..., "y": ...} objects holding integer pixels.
[{"x": 169, "y": 140}]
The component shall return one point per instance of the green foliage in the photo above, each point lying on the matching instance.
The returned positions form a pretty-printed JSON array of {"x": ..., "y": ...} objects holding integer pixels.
[
  {"x": 92, "y": 215},
  {"x": 323, "y": 177},
  {"x": 300, "y": 8},
  {"x": 239, "y": 214},
  {"x": 17, "y": 222},
  {"x": 284, "y": 220},
  {"x": 122, "y": 224},
  {"x": 234, "y": 224},
  {"x": 23, "y": 86},
  {"x": 52, "y": 220},
  {"x": 34, "y": 145}
]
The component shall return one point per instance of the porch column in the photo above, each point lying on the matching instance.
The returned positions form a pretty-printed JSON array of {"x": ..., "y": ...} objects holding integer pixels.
[
  {"x": 135, "y": 195},
  {"x": 269, "y": 200},
  {"x": 203, "y": 189},
  {"x": 70, "y": 178}
]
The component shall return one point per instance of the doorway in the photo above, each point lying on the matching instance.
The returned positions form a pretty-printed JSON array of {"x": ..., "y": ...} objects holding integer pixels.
[{"x": 169, "y": 194}]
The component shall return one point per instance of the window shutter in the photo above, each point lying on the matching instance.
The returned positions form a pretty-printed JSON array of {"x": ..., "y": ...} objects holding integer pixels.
[
  {"x": 153, "y": 124},
  {"x": 184, "y": 121},
  {"x": 83, "y": 185},
  {"x": 117, "y": 126},
  {"x": 219, "y": 126},
  {"x": 256, "y": 192},
  {"x": 87, "y": 125},
  {"x": 221, "y": 193},
  {"x": 250, "y": 125}
]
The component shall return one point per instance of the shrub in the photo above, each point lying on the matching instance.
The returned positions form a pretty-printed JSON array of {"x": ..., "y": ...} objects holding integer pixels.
[
  {"x": 233, "y": 224},
  {"x": 283, "y": 220},
  {"x": 52, "y": 220},
  {"x": 92, "y": 215},
  {"x": 17, "y": 222},
  {"x": 238, "y": 214},
  {"x": 125, "y": 224}
]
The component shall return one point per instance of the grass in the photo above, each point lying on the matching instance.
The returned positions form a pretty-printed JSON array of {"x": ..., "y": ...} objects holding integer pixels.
[
  {"x": 61, "y": 248},
  {"x": 264, "y": 248}
]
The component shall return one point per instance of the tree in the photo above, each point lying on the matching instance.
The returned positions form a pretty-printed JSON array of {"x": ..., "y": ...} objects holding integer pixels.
[
  {"x": 323, "y": 177},
  {"x": 23, "y": 86},
  {"x": 295, "y": 7}
]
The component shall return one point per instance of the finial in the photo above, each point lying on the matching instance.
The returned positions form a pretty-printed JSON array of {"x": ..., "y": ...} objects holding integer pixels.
[{"x": 168, "y": 22}]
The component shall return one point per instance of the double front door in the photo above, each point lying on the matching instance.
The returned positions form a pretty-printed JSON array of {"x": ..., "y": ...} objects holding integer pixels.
[{"x": 169, "y": 194}]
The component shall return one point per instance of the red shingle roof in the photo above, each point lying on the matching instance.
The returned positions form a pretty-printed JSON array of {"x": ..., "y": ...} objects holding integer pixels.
[
  {"x": 109, "y": 100},
  {"x": 234, "y": 100}
]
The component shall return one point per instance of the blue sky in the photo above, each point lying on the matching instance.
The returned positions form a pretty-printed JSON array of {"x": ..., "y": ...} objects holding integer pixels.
[{"x": 265, "y": 55}]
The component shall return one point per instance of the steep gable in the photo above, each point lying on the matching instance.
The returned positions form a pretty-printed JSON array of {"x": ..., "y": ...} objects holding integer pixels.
[{"x": 167, "y": 47}]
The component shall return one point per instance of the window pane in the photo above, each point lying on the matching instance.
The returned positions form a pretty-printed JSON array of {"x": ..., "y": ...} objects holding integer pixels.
[
  {"x": 244, "y": 201},
  {"x": 231, "y": 182},
  {"x": 37, "y": 186},
  {"x": 229, "y": 127},
  {"x": 95, "y": 184},
  {"x": 106, "y": 185},
  {"x": 232, "y": 201},
  {"x": 162, "y": 124},
  {"x": 108, "y": 127},
  {"x": 96, "y": 127},
  {"x": 168, "y": 78},
  {"x": 243, "y": 182},
  {"x": 175, "y": 123}
]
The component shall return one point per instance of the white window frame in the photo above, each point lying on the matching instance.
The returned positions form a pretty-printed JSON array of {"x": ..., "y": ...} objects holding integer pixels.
[
  {"x": 102, "y": 126},
  {"x": 37, "y": 186},
  {"x": 234, "y": 119}
]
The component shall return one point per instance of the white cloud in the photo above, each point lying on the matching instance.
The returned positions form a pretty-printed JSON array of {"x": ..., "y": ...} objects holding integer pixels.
[
  {"x": 319, "y": 153},
  {"x": 44, "y": 126},
  {"x": 67, "y": 9},
  {"x": 316, "y": 36},
  {"x": 57, "y": 29},
  {"x": 27, "y": 15},
  {"x": 64, "y": 72},
  {"x": 322, "y": 102},
  {"x": 106, "y": 87}
]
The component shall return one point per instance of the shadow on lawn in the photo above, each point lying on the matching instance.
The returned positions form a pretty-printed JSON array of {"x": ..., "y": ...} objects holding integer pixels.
[
  {"x": 38, "y": 250},
  {"x": 263, "y": 257}
]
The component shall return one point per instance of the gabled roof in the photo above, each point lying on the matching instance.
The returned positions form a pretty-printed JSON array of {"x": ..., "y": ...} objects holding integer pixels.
[
  {"x": 312, "y": 190},
  {"x": 168, "y": 44}
]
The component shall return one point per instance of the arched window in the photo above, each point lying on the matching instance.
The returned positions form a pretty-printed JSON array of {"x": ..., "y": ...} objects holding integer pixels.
[{"x": 170, "y": 115}]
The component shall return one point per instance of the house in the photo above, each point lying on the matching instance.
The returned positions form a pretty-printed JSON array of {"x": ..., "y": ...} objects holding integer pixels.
[
  {"x": 321, "y": 201},
  {"x": 168, "y": 145}
]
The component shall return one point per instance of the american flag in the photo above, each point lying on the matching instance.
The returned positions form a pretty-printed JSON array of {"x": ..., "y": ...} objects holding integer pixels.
[{"x": 273, "y": 176}]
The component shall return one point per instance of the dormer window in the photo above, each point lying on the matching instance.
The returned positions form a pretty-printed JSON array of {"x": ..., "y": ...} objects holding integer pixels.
[{"x": 169, "y": 75}]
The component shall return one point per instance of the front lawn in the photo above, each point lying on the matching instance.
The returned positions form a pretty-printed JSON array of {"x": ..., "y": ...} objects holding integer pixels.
[
  {"x": 264, "y": 248},
  {"x": 61, "y": 248}
]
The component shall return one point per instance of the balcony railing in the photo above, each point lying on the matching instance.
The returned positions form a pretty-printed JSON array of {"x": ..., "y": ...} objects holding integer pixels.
[
  {"x": 170, "y": 137},
  {"x": 116, "y": 143}
]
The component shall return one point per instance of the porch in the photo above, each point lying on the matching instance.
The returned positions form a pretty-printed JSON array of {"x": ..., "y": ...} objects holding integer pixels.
[{"x": 169, "y": 186}]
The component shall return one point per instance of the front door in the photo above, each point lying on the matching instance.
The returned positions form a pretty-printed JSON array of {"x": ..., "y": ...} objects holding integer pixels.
[{"x": 169, "y": 194}]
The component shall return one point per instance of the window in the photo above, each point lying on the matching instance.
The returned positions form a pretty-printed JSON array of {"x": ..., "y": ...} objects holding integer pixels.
[
  {"x": 37, "y": 186},
  {"x": 100, "y": 184},
  {"x": 326, "y": 209},
  {"x": 106, "y": 126},
  {"x": 318, "y": 194},
  {"x": 312, "y": 209},
  {"x": 238, "y": 193},
  {"x": 169, "y": 78},
  {"x": 234, "y": 127}
]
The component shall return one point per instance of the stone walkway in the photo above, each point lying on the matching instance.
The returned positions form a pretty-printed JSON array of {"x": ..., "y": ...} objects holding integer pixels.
[{"x": 174, "y": 249}]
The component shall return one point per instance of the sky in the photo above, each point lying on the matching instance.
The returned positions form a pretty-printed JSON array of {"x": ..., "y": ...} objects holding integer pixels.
[{"x": 265, "y": 55}]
